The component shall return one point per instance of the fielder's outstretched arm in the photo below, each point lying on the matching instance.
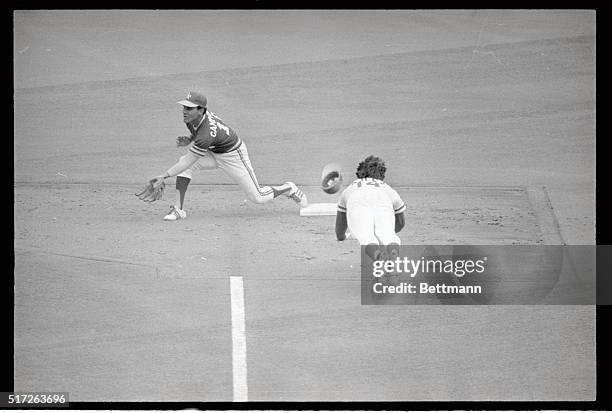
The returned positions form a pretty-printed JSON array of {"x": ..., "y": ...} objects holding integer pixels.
[
  {"x": 182, "y": 165},
  {"x": 341, "y": 226},
  {"x": 400, "y": 221}
]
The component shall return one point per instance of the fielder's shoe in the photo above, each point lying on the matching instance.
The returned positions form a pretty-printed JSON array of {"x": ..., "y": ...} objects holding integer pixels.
[
  {"x": 175, "y": 213},
  {"x": 297, "y": 195}
]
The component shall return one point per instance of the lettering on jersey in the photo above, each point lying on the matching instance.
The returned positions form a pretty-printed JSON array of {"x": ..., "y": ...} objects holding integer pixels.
[{"x": 214, "y": 124}]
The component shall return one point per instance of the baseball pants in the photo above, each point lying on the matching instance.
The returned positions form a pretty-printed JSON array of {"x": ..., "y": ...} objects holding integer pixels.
[
  {"x": 237, "y": 165},
  {"x": 372, "y": 224}
]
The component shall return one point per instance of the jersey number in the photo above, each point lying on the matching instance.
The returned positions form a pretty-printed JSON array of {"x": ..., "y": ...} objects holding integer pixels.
[
  {"x": 376, "y": 184},
  {"x": 223, "y": 127}
]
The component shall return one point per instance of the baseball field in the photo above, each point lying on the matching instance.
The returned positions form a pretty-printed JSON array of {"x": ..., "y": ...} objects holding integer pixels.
[{"x": 486, "y": 121}]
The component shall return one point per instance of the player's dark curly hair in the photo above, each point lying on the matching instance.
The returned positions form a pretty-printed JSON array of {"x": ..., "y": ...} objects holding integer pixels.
[{"x": 372, "y": 167}]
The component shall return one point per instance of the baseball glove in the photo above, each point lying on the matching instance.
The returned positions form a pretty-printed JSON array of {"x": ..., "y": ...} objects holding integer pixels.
[
  {"x": 153, "y": 191},
  {"x": 332, "y": 182}
]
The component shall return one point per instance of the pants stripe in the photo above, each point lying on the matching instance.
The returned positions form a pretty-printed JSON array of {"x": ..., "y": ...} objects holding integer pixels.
[{"x": 252, "y": 175}]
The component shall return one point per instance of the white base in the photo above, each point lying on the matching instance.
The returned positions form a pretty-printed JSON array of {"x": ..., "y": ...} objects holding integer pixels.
[{"x": 319, "y": 209}]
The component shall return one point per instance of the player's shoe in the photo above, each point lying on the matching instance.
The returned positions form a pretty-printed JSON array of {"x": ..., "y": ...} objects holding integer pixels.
[
  {"x": 297, "y": 195},
  {"x": 175, "y": 213}
]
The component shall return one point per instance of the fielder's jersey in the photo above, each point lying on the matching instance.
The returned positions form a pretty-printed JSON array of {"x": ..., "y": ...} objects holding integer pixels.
[
  {"x": 369, "y": 192},
  {"x": 212, "y": 134}
]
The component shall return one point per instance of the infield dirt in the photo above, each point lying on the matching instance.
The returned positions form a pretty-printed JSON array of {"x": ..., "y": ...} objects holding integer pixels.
[{"x": 470, "y": 110}]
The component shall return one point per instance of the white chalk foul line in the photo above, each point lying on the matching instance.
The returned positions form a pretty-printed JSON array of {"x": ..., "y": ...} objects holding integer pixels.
[{"x": 239, "y": 359}]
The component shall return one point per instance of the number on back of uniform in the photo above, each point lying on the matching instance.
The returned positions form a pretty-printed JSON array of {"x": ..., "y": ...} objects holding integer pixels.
[{"x": 376, "y": 184}]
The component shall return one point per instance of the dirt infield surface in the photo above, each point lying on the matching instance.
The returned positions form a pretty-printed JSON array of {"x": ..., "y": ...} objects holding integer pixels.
[{"x": 485, "y": 120}]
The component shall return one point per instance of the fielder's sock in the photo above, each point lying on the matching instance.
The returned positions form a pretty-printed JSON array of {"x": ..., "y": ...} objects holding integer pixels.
[{"x": 181, "y": 186}]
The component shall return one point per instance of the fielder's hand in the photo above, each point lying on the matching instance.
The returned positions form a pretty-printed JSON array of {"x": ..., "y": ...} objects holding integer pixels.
[
  {"x": 153, "y": 190},
  {"x": 183, "y": 140}
]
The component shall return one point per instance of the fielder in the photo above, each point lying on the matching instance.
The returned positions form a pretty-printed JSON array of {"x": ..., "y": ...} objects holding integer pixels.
[
  {"x": 213, "y": 144},
  {"x": 371, "y": 210}
]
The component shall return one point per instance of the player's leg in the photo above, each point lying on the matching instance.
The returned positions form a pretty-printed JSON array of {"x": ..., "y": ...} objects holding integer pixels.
[
  {"x": 182, "y": 183},
  {"x": 238, "y": 166},
  {"x": 183, "y": 180},
  {"x": 384, "y": 229},
  {"x": 246, "y": 178},
  {"x": 360, "y": 221}
]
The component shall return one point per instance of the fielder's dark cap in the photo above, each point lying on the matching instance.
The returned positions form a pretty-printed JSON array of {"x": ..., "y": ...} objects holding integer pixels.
[{"x": 193, "y": 100}]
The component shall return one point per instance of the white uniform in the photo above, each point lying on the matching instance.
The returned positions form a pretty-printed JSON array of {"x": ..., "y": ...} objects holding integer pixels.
[{"x": 370, "y": 206}]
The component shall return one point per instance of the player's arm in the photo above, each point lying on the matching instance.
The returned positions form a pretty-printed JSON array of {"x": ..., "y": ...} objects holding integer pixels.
[
  {"x": 400, "y": 221},
  {"x": 341, "y": 226},
  {"x": 182, "y": 165},
  {"x": 398, "y": 208}
]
